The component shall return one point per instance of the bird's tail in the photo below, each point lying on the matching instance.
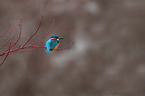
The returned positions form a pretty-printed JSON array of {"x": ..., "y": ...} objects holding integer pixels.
[{"x": 47, "y": 51}]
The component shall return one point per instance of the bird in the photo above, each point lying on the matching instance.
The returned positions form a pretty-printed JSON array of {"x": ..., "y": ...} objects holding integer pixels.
[{"x": 53, "y": 43}]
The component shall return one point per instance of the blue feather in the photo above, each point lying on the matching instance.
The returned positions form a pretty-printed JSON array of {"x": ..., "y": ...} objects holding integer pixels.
[{"x": 48, "y": 45}]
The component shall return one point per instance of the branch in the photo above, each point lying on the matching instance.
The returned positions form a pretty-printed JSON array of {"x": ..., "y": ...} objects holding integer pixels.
[
  {"x": 26, "y": 50},
  {"x": 5, "y": 31},
  {"x": 66, "y": 47},
  {"x": 35, "y": 32},
  {"x": 6, "y": 56},
  {"x": 18, "y": 35},
  {"x": 10, "y": 36},
  {"x": 44, "y": 34}
]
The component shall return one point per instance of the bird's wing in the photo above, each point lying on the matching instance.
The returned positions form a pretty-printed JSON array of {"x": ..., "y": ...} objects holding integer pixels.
[{"x": 48, "y": 43}]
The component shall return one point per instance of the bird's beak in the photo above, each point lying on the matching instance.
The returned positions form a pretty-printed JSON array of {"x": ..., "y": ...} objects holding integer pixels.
[{"x": 61, "y": 38}]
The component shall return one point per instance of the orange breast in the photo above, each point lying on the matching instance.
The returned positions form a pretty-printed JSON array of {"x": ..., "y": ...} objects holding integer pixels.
[{"x": 56, "y": 47}]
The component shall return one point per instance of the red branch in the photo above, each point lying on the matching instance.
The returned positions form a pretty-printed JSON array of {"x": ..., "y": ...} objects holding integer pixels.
[
  {"x": 44, "y": 34},
  {"x": 66, "y": 47},
  {"x": 34, "y": 32},
  {"x": 5, "y": 31},
  {"x": 6, "y": 55},
  {"x": 22, "y": 48},
  {"x": 10, "y": 36}
]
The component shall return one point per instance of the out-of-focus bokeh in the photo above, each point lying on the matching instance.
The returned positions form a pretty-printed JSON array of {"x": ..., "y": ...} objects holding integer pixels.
[{"x": 107, "y": 59}]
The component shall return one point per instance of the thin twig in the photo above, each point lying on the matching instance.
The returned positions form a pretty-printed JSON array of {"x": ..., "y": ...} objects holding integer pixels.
[
  {"x": 66, "y": 47},
  {"x": 18, "y": 35},
  {"x": 6, "y": 56},
  {"x": 35, "y": 32},
  {"x": 5, "y": 31},
  {"x": 26, "y": 50},
  {"x": 10, "y": 36},
  {"x": 44, "y": 34},
  {"x": 20, "y": 48}
]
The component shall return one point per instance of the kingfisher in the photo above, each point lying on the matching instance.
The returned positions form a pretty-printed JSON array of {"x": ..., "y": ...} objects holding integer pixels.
[{"x": 53, "y": 43}]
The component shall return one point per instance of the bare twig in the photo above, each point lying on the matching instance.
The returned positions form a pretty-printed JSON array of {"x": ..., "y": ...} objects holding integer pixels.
[
  {"x": 35, "y": 32},
  {"x": 18, "y": 35},
  {"x": 26, "y": 50},
  {"x": 6, "y": 56},
  {"x": 44, "y": 34},
  {"x": 65, "y": 47},
  {"x": 5, "y": 31},
  {"x": 10, "y": 36}
]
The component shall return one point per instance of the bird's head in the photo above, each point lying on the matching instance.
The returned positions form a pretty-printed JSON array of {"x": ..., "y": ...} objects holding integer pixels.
[{"x": 55, "y": 37}]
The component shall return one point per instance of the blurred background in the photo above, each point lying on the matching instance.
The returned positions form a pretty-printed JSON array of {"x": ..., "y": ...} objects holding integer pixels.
[{"x": 107, "y": 59}]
